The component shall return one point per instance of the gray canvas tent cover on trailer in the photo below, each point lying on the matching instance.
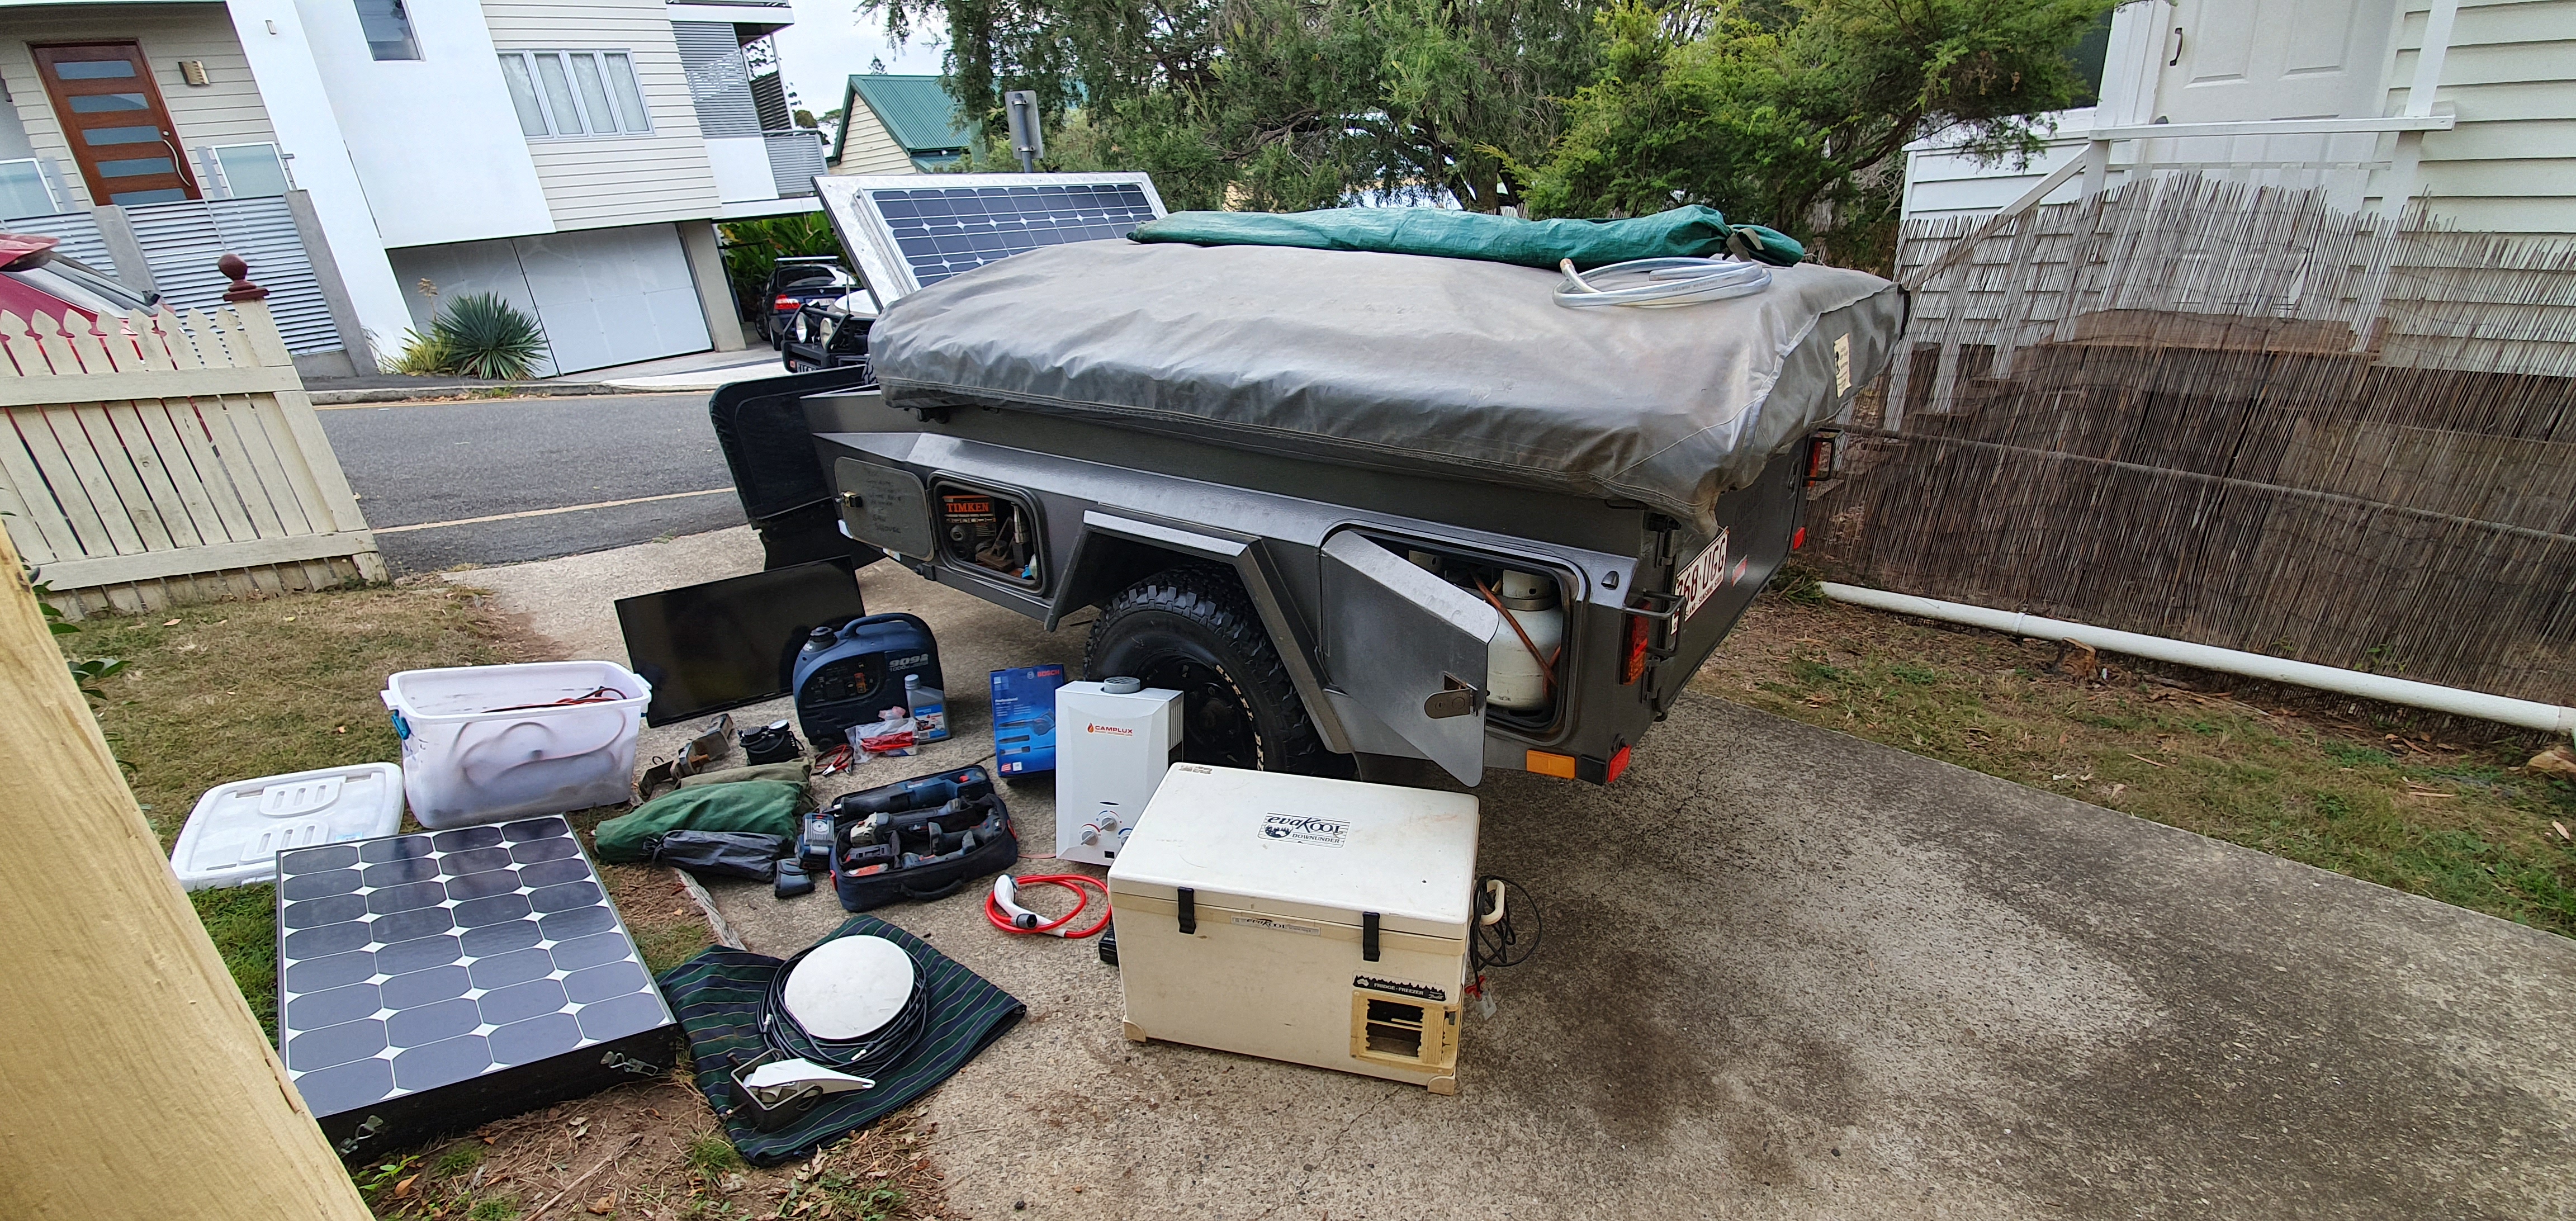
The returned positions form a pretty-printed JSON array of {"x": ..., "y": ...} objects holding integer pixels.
[{"x": 1445, "y": 367}]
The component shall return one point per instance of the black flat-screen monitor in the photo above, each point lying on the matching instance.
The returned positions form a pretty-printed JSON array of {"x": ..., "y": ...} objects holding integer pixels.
[{"x": 706, "y": 648}]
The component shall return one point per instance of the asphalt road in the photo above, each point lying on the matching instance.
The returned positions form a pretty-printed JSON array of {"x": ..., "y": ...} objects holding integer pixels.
[{"x": 431, "y": 464}]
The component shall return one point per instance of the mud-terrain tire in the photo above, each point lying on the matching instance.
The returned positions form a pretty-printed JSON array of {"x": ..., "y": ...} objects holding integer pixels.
[{"x": 1193, "y": 629}]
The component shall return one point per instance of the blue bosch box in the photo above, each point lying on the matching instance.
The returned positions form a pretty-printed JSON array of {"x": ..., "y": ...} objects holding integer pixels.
[{"x": 1024, "y": 719}]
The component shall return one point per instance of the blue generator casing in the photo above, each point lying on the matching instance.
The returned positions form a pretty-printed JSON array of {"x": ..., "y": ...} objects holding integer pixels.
[{"x": 850, "y": 677}]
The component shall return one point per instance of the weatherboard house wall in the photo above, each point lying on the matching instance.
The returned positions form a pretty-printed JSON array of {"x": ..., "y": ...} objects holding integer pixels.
[
  {"x": 417, "y": 167},
  {"x": 624, "y": 180},
  {"x": 225, "y": 110},
  {"x": 2507, "y": 84}
]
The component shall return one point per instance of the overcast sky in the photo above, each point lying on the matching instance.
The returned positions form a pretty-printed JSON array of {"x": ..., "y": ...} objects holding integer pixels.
[{"x": 830, "y": 42}]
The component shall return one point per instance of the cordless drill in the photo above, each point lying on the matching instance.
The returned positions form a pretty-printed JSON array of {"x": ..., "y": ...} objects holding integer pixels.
[{"x": 928, "y": 791}]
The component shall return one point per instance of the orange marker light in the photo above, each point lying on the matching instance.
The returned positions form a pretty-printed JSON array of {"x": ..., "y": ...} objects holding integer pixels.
[{"x": 1548, "y": 763}]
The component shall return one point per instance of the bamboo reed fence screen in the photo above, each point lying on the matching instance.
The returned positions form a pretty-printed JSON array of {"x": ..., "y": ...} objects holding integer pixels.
[
  {"x": 2236, "y": 416},
  {"x": 158, "y": 458}
]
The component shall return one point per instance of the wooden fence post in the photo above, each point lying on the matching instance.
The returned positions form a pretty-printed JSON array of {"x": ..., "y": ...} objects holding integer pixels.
[{"x": 138, "y": 1084}]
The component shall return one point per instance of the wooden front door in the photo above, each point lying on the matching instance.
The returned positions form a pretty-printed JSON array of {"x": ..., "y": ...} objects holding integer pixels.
[{"x": 112, "y": 114}]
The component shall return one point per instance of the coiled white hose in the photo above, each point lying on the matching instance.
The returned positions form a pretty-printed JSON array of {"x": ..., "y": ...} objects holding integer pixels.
[{"x": 1660, "y": 283}]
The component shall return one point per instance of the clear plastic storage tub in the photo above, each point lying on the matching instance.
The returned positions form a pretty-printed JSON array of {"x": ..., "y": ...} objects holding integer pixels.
[
  {"x": 489, "y": 743},
  {"x": 235, "y": 833}
]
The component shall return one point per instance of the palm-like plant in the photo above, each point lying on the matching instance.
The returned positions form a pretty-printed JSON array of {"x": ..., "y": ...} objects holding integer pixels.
[{"x": 481, "y": 335}]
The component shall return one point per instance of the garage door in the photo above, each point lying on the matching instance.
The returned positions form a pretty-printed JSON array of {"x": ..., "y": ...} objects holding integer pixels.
[
  {"x": 605, "y": 296},
  {"x": 613, "y": 296}
]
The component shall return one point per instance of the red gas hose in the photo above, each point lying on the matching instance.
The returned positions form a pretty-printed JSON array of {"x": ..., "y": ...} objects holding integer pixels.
[{"x": 1074, "y": 882}]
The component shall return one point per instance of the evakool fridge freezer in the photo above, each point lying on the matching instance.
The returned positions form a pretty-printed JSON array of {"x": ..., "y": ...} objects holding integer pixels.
[{"x": 1323, "y": 922}]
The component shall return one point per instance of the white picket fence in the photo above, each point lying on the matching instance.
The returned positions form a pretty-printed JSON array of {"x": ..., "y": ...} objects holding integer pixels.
[{"x": 163, "y": 458}]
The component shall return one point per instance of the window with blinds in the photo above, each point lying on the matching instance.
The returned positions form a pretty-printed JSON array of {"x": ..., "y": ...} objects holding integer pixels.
[{"x": 565, "y": 94}]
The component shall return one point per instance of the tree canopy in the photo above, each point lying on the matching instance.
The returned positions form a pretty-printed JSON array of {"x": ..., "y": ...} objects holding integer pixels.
[{"x": 1790, "y": 113}]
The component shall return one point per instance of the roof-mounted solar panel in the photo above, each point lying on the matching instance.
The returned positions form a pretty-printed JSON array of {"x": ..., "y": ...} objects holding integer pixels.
[{"x": 912, "y": 231}]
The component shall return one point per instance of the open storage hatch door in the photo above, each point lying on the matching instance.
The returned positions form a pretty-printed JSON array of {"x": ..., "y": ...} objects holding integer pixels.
[
  {"x": 886, "y": 506},
  {"x": 1410, "y": 648}
]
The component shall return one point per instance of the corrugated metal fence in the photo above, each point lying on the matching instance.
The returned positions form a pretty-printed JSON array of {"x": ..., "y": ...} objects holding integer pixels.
[
  {"x": 181, "y": 240},
  {"x": 78, "y": 232}
]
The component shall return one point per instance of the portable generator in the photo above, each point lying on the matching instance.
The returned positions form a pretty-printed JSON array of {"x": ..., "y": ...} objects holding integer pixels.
[
  {"x": 851, "y": 676},
  {"x": 1322, "y": 922}
]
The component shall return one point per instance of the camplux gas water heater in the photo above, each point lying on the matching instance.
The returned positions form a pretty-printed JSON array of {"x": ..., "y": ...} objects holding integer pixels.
[
  {"x": 1114, "y": 739},
  {"x": 1323, "y": 922}
]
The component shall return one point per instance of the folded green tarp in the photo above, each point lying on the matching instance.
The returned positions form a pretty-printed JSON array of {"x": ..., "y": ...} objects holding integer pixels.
[
  {"x": 1694, "y": 231},
  {"x": 769, "y": 807},
  {"x": 793, "y": 772}
]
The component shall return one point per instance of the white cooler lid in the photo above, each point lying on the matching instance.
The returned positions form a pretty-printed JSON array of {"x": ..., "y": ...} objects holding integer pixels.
[
  {"x": 237, "y": 829},
  {"x": 1407, "y": 854}
]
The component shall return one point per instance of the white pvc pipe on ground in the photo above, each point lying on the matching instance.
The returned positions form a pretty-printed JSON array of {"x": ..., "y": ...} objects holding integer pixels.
[{"x": 2528, "y": 714}]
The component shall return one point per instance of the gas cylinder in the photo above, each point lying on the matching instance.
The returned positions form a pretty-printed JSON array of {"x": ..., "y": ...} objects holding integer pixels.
[{"x": 1514, "y": 678}]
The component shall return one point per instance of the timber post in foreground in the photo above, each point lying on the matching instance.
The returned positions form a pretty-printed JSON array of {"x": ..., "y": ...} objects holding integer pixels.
[{"x": 140, "y": 1084}]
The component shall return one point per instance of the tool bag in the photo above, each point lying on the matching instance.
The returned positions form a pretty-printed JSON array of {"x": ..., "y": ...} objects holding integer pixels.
[{"x": 942, "y": 863}]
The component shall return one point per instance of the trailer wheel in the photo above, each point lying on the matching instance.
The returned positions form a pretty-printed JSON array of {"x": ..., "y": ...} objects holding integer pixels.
[{"x": 1193, "y": 630}]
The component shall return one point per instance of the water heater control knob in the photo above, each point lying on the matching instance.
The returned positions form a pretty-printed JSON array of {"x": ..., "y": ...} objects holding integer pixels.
[{"x": 1108, "y": 820}]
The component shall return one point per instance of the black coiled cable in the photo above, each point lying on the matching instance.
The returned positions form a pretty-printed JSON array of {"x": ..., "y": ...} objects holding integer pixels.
[
  {"x": 1501, "y": 944},
  {"x": 865, "y": 1056}
]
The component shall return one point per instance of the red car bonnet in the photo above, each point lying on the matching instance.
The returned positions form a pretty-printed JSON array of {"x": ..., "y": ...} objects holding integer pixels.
[{"x": 23, "y": 250}]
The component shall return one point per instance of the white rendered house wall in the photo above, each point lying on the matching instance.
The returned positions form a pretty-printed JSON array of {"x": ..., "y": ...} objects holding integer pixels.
[
  {"x": 299, "y": 108},
  {"x": 434, "y": 139}
]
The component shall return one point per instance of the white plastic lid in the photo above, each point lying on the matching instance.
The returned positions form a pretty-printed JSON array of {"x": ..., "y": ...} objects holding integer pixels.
[
  {"x": 849, "y": 986},
  {"x": 1339, "y": 845},
  {"x": 237, "y": 829}
]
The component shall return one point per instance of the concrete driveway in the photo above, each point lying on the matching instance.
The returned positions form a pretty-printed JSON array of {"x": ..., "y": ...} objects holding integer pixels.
[{"x": 1786, "y": 973}]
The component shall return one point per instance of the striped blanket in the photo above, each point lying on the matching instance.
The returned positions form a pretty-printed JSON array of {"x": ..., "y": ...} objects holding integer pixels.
[{"x": 718, "y": 997}]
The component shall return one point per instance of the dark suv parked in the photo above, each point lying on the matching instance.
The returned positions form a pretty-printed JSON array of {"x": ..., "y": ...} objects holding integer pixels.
[{"x": 829, "y": 334}]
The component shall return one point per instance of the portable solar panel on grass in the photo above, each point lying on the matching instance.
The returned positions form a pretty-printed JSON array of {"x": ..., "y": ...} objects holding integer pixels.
[
  {"x": 909, "y": 232},
  {"x": 429, "y": 982}
]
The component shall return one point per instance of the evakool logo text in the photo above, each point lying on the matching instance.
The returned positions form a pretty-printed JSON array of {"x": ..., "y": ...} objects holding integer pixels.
[
  {"x": 1118, "y": 730},
  {"x": 1306, "y": 830}
]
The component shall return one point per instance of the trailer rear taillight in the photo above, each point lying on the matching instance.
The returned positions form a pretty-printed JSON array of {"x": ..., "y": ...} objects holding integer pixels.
[
  {"x": 1618, "y": 765},
  {"x": 1639, "y": 632}
]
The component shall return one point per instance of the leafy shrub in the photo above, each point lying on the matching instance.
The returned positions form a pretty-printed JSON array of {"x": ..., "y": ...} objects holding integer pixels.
[{"x": 419, "y": 356}]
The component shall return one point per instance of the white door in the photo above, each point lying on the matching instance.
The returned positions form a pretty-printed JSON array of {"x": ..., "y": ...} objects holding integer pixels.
[
  {"x": 2226, "y": 61},
  {"x": 613, "y": 296},
  {"x": 2274, "y": 59}
]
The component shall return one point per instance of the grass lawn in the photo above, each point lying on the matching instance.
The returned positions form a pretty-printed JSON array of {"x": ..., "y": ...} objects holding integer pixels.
[
  {"x": 2442, "y": 809},
  {"x": 241, "y": 689}
]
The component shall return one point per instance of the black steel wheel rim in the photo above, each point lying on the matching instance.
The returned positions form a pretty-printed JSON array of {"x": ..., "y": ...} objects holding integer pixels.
[{"x": 1216, "y": 721}]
